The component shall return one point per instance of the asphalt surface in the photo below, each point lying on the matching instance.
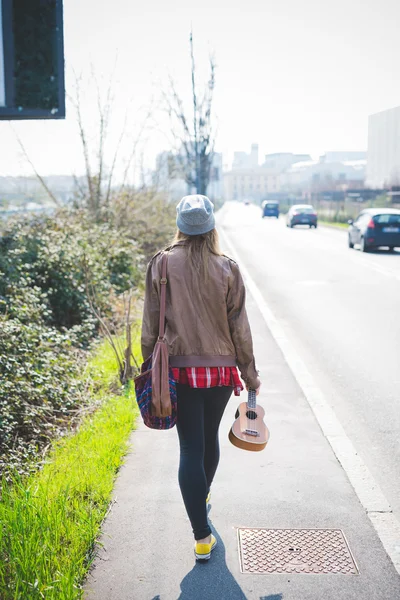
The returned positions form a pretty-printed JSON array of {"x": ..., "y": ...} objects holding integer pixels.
[
  {"x": 341, "y": 310},
  {"x": 146, "y": 550}
]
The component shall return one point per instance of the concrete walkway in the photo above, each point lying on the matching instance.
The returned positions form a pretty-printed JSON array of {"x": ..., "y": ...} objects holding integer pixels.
[{"x": 296, "y": 482}]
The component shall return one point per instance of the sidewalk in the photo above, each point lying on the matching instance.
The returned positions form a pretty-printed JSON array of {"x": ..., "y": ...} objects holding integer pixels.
[{"x": 295, "y": 483}]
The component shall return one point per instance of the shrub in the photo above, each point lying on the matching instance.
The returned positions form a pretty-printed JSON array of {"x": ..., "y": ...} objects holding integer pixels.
[
  {"x": 144, "y": 216},
  {"x": 51, "y": 270},
  {"x": 65, "y": 256},
  {"x": 39, "y": 388}
]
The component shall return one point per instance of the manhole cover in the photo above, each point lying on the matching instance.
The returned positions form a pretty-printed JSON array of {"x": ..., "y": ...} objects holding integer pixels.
[{"x": 294, "y": 551}]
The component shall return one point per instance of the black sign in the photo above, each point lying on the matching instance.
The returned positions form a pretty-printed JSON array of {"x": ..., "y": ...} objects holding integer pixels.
[{"x": 33, "y": 73}]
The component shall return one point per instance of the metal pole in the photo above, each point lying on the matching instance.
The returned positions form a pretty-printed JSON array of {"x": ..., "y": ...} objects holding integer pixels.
[{"x": 2, "y": 69}]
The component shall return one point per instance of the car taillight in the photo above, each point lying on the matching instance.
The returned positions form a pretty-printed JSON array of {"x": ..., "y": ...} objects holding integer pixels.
[{"x": 371, "y": 224}]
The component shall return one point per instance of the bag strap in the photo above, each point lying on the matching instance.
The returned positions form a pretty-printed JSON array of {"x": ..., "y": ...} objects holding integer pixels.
[{"x": 163, "y": 298}]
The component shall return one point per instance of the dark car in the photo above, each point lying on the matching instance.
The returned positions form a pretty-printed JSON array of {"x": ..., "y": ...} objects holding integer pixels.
[
  {"x": 375, "y": 227},
  {"x": 302, "y": 214},
  {"x": 270, "y": 209}
]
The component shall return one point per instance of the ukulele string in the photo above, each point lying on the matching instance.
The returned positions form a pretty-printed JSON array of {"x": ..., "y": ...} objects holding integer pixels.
[
  {"x": 247, "y": 413},
  {"x": 251, "y": 410},
  {"x": 255, "y": 414},
  {"x": 248, "y": 410},
  {"x": 255, "y": 410}
]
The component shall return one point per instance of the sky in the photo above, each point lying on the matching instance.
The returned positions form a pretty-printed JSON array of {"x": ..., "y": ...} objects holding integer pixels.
[{"x": 294, "y": 76}]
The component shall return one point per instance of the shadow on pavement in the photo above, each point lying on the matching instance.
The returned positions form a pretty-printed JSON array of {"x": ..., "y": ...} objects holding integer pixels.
[{"x": 213, "y": 580}]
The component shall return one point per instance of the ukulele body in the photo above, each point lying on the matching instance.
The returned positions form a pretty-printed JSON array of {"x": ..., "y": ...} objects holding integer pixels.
[{"x": 249, "y": 431}]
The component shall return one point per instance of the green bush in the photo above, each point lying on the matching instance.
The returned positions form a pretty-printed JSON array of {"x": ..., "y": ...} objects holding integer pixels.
[
  {"x": 69, "y": 258},
  {"x": 145, "y": 217},
  {"x": 39, "y": 389},
  {"x": 52, "y": 271}
]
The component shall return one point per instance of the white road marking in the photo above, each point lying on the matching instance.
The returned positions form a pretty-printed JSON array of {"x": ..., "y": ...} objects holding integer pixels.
[
  {"x": 374, "y": 266},
  {"x": 368, "y": 491}
]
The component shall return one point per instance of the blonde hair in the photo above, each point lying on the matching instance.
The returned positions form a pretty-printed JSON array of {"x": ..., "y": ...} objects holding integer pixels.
[{"x": 200, "y": 247}]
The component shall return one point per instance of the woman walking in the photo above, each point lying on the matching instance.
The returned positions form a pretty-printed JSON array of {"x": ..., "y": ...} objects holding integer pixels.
[{"x": 208, "y": 337}]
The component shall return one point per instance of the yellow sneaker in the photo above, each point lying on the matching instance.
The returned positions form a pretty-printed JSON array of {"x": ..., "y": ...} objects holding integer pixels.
[
  {"x": 203, "y": 551},
  {"x": 208, "y": 498}
]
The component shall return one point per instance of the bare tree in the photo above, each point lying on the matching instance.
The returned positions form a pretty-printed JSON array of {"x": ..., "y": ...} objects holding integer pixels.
[
  {"x": 194, "y": 135},
  {"x": 100, "y": 172},
  {"x": 98, "y": 178},
  {"x": 37, "y": 174}
]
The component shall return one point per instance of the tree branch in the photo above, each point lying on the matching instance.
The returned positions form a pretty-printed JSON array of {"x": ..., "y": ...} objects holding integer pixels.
[
  {"x": 39, "y": 177},
  {"x": 77, "y": 105}
]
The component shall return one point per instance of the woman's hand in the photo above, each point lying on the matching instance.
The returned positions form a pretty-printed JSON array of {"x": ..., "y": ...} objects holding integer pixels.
[{"x": 257, "y": 390}]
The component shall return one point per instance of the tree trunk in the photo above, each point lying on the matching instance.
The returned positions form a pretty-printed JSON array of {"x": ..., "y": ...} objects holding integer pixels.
[
  {"x": 203, "y": 173},
  {"x": 201, "y": 187}
]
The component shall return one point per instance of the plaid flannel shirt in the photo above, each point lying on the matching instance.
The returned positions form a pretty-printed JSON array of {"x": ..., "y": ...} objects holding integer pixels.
[{"x": 207, "y": 377}]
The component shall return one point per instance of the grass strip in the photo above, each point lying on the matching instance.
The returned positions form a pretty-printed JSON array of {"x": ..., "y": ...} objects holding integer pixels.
[
  {"x": 49, "y": 521},
  {"x": 334, "y": 224}
]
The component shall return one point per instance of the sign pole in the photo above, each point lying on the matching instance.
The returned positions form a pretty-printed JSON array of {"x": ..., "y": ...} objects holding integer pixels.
[{"x": 2, "y": 69}]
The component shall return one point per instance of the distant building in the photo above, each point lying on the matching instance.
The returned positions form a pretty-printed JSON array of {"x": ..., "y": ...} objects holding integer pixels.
[
  {"x": 343, "y": 156},
  {"x": 168, "y": 177},
  {"x": 247, "y": 180},
  {"x": 242, "y": 160},
  {"x": 281, "y": 161},
  {"x": 249, "y": 184},
  {"x": 383, "y": 165},
  {"x": 324, "y": 175},
  {"x": 215, "y": 187},
  {"x": 18, "y": 191}
]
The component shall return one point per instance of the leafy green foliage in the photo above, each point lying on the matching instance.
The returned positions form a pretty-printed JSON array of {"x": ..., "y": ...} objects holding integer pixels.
[
  {"x": 52, "y": 270},
  {"x": 146, "y": 217},
  {"x": 67, "y": 256},
  {"x": 39, "y": 388}
]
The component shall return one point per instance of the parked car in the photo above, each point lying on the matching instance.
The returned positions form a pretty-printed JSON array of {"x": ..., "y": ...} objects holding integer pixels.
[
  {"x": 302, "y": 214},
  {"x": 270, "y": 208},
  {"x": 375, "y": 227}
]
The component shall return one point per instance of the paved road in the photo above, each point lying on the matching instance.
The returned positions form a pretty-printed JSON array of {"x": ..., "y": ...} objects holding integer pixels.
[{"x": 341, "y": 310}]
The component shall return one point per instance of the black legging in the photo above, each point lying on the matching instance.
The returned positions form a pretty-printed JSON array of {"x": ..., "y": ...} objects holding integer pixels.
[{"x": 199, "y": 415}]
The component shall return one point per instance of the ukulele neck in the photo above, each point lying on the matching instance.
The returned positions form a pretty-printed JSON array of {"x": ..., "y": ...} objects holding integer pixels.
[{"x": 252, "y": 401}]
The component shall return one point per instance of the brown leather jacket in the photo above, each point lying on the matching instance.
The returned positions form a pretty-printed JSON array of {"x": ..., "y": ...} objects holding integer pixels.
[{"x": 206, "y": 321}]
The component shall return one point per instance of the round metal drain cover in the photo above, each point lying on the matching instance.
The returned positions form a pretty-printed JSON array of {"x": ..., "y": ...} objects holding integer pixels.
[{"x": 294, "y": 551}]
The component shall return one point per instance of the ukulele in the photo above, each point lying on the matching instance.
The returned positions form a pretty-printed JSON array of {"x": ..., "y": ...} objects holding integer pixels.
[{"x": 249, "y": 431}]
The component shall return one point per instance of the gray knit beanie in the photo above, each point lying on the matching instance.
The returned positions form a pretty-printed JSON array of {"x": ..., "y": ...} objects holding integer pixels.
[{"x": 195, "y": 215}]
